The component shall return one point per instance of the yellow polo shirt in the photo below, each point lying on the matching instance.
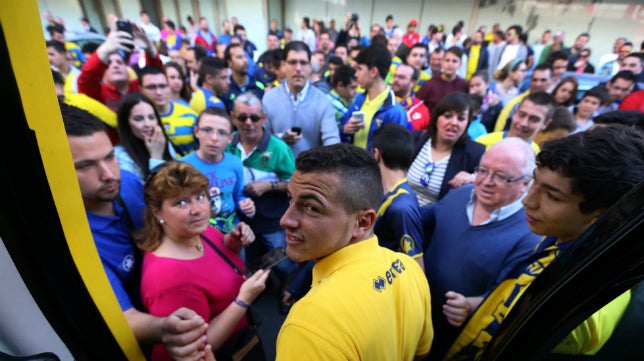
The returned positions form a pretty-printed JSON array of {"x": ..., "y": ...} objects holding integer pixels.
[{"x": 369, "y": 107}]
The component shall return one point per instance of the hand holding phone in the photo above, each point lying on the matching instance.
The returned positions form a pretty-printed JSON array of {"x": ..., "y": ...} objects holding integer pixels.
[
  {"x": 125, "y": 25},
  {"x": 296, "y": 130},
  {"x": 267, "y": 261}
]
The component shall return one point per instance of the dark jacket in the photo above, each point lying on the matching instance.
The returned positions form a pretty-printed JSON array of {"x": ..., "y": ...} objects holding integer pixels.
[{"x": 464, "y": 158}]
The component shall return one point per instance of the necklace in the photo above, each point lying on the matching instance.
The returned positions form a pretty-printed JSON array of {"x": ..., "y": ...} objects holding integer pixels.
[{"x": 199, "y": 247}]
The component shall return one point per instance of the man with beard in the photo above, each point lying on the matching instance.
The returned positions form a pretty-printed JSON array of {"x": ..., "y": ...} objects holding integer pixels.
[
  {"x": 240, "y": 80},
  {"x": 213, "y": 72},
  {"x": 404, "y": 80}
]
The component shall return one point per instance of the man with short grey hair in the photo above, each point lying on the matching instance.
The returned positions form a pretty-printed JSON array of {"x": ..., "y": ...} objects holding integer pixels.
[
  {"x": 268, "y": 166},
  {"x": 476, "y": 234}
]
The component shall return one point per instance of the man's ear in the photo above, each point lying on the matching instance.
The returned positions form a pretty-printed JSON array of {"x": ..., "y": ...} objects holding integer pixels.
[
  {"x": 373, "y": 71},
  {"x": 364, "y": 222},
  {"x": 376, "y": 154}
]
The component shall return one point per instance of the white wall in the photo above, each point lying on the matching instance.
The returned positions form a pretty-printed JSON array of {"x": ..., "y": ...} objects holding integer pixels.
[{"x": 605, "y": 22}]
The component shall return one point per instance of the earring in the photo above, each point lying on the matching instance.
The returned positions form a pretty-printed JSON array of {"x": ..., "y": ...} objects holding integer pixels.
[{"x": 161, "y": 221}]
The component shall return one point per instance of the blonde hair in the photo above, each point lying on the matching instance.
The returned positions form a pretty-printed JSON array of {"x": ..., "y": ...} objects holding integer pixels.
[{"x": 170, "y": 179}]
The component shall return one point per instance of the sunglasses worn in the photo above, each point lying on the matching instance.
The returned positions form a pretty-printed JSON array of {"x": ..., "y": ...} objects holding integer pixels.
[{"x": 253, "y": 117}]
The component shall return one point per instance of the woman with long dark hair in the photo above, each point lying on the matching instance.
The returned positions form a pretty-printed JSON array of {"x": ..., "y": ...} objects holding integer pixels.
[{"x": 143, "y": 143}]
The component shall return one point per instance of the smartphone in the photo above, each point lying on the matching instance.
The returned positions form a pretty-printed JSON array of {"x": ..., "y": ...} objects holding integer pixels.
[
  {"x": 358, "y": 115},
  {"x": 296, "y": 130},
  {"x": 124, "y": 25},
  {"x": 267, "y": 261}
]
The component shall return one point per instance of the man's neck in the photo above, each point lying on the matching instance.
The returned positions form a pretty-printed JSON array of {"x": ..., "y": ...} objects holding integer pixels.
[
  {"x": 122, "y": 86},
  {"x": 448, "y": 78},
  {"x": 64, "y": 70},
  {"x": 511, "y": 134},
  {"x": 248, "y": 145},
  {"x": 390, "y": 177},
  {"x": 240, "y": 78},
  {"x": 377, "y": 87},
  {"x": 209, "y": 158},
  {"x": 101, "y": 208},
  {"x": 164, "y": 109}
]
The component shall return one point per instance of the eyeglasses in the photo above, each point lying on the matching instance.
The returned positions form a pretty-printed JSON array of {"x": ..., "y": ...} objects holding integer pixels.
[
  {"x": 153, "y": 87},
  {"x": 482, "y": 173},
  {"x": 253, "y": 117},
  {"x": 429, "y": 168},
  {"x": 210, "y": 131}
]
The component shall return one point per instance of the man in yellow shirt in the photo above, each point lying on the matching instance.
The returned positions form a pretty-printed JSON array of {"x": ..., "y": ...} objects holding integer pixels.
[
  {"x": 377, "y": 103},
  {"x": 534, "y": 114},
  {"x": 366, "y": 302}
]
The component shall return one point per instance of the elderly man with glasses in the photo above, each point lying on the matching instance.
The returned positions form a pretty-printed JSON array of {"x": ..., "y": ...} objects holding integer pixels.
[
  {"x": 268, "y": 166},
  {"x": 475, "y": 235}
]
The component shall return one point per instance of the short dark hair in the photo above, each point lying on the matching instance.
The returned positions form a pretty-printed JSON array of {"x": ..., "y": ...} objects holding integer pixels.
[
  {"x": 476, "y": 102},
  {"x": 375, "y": 56},
  {"x": 557, "y": 55},
  {"x": 227, "y": 56},
  {"x": 57, "y": 45},
  {"x": 420, "y": 45},
  {"x": 603, "y": 163},
  {"x": 543, "y": 99},
  {"x": 542, "y": 67},
  {"x": 297, "y": 46},
  {"x": 79, "y": 122},
  {"x": 562, "y": 119},
  {"x": 335, "y": 60},
  {"x": 452, "y": 102},
  {"x": 517, "y": 28},
  {"x": 358, "y": 171},
  {"x": 631, "y": 118},
  {"x": 598, "y": 92},
  {"x": 623, "y": 74},
  {"x": 343, "y": 74},
  {"x": 639, "y": 56},
  {"x": 56, "y": 28},
  {"x": 220, "y": 112},
  {"x": 458, "y": 52},
  {"x": 150, "y": 70},
  {"x": 395, "y": 144},
  {"x": 212, "y": 66}
]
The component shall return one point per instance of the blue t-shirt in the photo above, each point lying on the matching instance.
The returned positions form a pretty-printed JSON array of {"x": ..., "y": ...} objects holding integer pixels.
[
  {"x": 399, "y": 226},
  {"x": 226, "y": 186},
  {"x": 112, "y": 239}
]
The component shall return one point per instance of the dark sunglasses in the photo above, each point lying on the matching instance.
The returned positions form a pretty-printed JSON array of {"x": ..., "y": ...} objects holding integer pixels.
[{"x": 253, "y": 117}]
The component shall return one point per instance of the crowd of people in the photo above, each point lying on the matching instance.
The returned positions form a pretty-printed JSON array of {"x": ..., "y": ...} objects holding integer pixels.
[{"x": 387, "y": 164}]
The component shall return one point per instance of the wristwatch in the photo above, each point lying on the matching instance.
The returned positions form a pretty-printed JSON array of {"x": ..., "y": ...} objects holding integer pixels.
[{"x": 275, "y": 185}]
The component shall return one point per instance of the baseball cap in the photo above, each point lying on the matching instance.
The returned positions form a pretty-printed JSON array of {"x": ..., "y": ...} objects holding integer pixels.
[{"x": 413, "y": 22}]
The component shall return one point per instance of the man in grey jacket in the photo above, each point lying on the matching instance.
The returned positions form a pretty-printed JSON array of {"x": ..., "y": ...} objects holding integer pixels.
[{"x": 297, "y": 112}]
